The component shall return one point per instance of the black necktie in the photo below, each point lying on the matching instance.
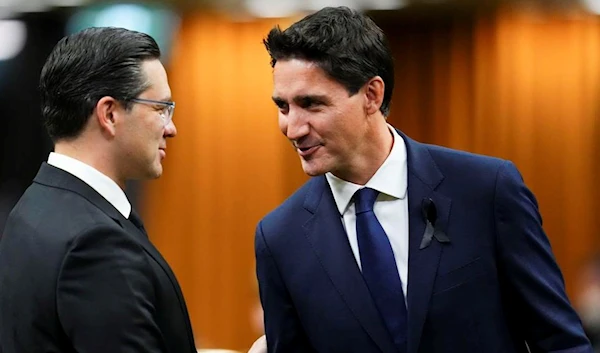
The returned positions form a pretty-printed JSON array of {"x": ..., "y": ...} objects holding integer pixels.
[
  {"x": 379, "y": 267},
  {"x": 137, "y": 221}
]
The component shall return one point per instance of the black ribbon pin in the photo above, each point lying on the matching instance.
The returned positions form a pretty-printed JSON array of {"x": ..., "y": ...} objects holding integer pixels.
[{"x": 432, "y": 230}]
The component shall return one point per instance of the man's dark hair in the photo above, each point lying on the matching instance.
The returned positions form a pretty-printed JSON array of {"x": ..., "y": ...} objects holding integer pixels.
[
  {"x": 86, "y": 66},
  {"x": 346, "y": 44}
]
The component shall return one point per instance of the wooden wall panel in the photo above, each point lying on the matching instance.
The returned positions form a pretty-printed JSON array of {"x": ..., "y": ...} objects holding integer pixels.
[
  {"x": 520, "y": 85},
  {"x": 223, "y": 172}
]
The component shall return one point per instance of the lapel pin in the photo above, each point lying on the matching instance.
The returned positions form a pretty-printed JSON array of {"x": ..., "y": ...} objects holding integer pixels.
[{"x": 432, "y": 228}]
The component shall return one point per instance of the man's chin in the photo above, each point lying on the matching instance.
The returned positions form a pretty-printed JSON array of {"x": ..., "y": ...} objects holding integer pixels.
[
  {"x": 156, "y": 172},
  {"x": 312, "y": 171}
]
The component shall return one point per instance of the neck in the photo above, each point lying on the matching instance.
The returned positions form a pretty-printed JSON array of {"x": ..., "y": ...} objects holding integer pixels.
[
  {"x": 90, "y": 155},
  {"x": 371, "y": 155}
]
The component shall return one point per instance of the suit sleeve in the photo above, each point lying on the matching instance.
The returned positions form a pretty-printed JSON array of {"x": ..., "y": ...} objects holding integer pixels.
[
  {"x": 282, "y": 326},
  {"x": 532, "y": 284},
  {"x": 105, "y": 295}
]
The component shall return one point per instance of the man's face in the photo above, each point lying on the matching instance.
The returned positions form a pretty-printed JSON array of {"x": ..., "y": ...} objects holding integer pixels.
[
  {"x": 144, "y": 142},
  {"x": 326, "y": 125}
]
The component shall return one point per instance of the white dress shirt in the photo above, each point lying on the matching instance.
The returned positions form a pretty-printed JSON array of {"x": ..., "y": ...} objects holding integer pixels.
[
  {"x": 391, "y": 206},
  {"x": 103, "y": 185}
]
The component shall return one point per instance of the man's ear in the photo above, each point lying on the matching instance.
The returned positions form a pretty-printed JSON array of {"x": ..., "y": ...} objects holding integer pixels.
[
  {"x": 107, "y": 113},
  {"x": 374, "y": 91}
]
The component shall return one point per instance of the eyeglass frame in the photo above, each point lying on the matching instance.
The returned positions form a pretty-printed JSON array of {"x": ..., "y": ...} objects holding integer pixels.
[{"x": 169, "y": 106}]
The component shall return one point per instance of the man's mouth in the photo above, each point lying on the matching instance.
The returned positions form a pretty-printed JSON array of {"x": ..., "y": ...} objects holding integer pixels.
[{"x": 307, "y": 151}]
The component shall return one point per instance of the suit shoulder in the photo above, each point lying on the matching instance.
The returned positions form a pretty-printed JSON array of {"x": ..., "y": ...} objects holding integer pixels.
[
  {"x": 288, "y": 210},
  {"x": 451, "y": 159},
  {"x": 57, "y": 213}
]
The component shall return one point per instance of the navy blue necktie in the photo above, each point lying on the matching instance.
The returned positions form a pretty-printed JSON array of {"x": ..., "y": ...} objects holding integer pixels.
[{"x": 379, "y": 267}]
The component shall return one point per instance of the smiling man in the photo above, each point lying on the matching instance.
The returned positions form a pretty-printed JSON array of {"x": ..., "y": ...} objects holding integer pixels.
[{"x": 394, "y": 245}]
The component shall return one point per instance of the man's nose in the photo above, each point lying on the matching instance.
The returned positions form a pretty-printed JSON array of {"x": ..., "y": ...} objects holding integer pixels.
[
  {"x": 297, "y": 125},
  {"x": 170, "y": 129}
]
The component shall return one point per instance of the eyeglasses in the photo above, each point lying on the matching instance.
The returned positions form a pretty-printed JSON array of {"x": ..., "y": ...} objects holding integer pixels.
[{"x": 166, "y": 113}]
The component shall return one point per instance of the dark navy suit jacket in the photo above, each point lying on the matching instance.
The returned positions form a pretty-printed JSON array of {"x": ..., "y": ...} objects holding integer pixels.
[{"x": 494, "y": 288}]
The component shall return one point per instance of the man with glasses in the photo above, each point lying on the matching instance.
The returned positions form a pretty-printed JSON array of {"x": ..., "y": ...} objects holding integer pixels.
[
  {"x": 166, "y": 107},
  {"x": 77, "y": 270}
]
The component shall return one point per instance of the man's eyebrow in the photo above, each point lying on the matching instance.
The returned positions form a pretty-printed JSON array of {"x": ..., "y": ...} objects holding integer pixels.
[
  {"x": 311, "y": 98},
  {"x": 303, "y": 99}
]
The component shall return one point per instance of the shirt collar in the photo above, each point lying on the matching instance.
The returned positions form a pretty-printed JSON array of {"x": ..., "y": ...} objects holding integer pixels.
[
  {"x": 390, "y": 178},
  {"x": 103, "y": 185}
]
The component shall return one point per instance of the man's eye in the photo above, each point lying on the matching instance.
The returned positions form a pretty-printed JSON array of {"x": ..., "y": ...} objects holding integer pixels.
[{"x": 309, "y": 103}]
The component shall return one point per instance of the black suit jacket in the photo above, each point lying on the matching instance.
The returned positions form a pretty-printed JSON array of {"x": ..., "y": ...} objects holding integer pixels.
[{"x": 76, "y": 276}]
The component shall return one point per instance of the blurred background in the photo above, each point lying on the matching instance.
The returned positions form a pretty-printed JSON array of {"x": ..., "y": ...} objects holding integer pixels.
[{"x": 514, "y": 79}]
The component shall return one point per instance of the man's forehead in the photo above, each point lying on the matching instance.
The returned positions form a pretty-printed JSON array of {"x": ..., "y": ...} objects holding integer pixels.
[
  {"x": 156, "y": 75},
  {"x": 300, "y": 78},
  {"x": 297, "y": 71},
  {"x": 158, "y": 90},
  {"x": 303, "y": 88}
]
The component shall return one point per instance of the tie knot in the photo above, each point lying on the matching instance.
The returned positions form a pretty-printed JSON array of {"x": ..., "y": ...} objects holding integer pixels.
[{"x": 364, "y": 199}]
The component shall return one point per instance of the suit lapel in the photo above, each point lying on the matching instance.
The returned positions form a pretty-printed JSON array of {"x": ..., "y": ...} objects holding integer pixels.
[
  {"x": 423, "y": 178},
  {"x": 155, "y": 254},
  {"x": 54, "y": 177},
  {"x": 325, "y": 231}
]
